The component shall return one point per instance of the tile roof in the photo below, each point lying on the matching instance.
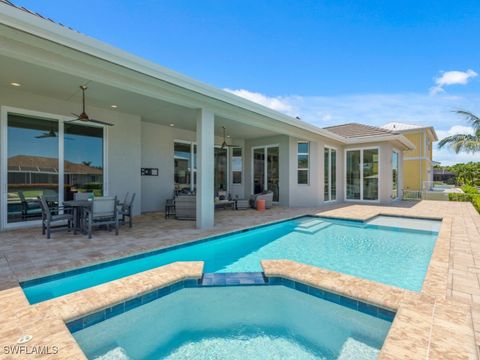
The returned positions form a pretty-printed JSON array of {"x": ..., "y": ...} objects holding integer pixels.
[
  {"x": 398, "y": 126},
  {"x": 8, "y": 2},
  {"x": 354, "y": 130},
  {"x": 42, "y": 164}
]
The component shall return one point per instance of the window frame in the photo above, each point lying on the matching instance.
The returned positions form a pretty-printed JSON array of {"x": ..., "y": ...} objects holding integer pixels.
[
  {"x": 330, "y": 148},
  {"x": 231, "y": 165},
  {"x": 307, "y": 169},
  {"x": 4, "y": 113},
  {"x": 379, "y": 191}
]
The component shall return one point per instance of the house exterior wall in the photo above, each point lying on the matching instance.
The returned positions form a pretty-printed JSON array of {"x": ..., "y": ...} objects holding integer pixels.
[
  {"x": 312, "y": 194},
  {"x": 385, "y": 169},
  {"x": 158, "y": 152},
  {"x": 418, "y": 163},
  {"x": 132, "y": 144},
  {"x": 123, "y": 150}
]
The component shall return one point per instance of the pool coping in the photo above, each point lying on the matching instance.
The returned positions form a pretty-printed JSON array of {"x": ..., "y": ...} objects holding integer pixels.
[
  {"x": 423, "y": 324},
  {"x": 98, "y": 265},
  {"x": 426, "y": 326},
  {"x": 215, "y": 280},
  {"x": 104, "y": 260}
]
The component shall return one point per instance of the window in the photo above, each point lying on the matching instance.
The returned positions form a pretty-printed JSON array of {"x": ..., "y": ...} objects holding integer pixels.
[
  {"x": 330, "y": 174},
  {"x": 394, "y": 175},
  {"x": 302, "y": 162},
  {"x": 37, "y": 148},
  {"x": 237, "y": 165},
  {"x": 83, "y": 160},
  {"x": 185, "y": 162},
  {"x": 361, "y": 174},
  {"x": 266, "y": 170}
]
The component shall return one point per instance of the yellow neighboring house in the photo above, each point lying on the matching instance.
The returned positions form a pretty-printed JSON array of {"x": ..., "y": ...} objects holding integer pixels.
[{"x": 418, "y": 163}]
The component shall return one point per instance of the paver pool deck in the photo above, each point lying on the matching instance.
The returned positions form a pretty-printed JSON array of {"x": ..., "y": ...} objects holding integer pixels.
[{"x": 440, "y": 322}]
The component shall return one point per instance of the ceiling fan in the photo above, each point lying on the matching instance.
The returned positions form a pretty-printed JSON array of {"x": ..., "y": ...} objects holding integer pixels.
[
  {"x": 224, "y": 144},
  {"x": 83, "y": 116},
  {"x": 51, "y": 133}
]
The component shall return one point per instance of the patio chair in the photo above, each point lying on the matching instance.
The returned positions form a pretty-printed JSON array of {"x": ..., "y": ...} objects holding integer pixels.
[
  {"x": 102, "y": 212},
  {"x": 52, "y": 217},
  {"x": 125, "y": 209},
  {"x": 82, "y": 195},
  {"x": 169, "y": 208},
  {"x": 29, "y": 207},
  {"x": 266, "y": 195}
]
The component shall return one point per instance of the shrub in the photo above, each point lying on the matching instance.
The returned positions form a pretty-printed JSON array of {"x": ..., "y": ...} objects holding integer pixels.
[
  {"x": 467, "y": 197},
  {"x": 468, "y": 189}
]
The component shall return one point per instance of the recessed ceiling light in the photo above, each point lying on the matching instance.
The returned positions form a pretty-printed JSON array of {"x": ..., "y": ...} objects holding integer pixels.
[
  {"x": 172, "y": 125},
  {"x": 15, "y": 84},
  {"x": 228, "y": 136},
  {"x": 114, "y": 106}
]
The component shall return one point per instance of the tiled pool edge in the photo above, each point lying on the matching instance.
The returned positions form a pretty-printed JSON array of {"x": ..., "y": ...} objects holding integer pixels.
[
  {"x": 358, "y": 212},
  {"x": 104, "y": 261},
  {"x": 425, "y": 327},
  {"x": 227, "y": 280},
  {"x": 84, "y": 269}
]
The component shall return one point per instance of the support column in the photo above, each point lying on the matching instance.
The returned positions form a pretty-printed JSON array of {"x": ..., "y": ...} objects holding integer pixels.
[{"x": 205, "y": 169}]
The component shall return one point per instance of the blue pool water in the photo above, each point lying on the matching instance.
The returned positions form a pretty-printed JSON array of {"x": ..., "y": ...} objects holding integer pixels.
[
  {"x": 396, "y": 256},
  {"x": 253, "y": 322}
]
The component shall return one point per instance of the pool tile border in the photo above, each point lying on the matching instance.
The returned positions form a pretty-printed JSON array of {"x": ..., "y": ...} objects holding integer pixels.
[
  {"x": 209, "y": 280},
  {"x": 84, "y": 269},
  {"x": 104, "y": 263}
]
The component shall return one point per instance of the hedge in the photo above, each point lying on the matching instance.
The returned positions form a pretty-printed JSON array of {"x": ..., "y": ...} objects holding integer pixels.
[{"x": 467, "y": 197}]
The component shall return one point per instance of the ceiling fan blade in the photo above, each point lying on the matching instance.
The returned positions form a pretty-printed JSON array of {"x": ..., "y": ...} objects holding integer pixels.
[
  {"x": 233, "y": 145},
  {"x": 42, "y": 136},
  {"x": 100, "y": 122}
]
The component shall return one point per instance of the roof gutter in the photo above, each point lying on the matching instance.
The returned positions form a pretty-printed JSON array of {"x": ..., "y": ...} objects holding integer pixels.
[
  {"x": 31, "y": 24},
  {"x": 377, "y": 138}
]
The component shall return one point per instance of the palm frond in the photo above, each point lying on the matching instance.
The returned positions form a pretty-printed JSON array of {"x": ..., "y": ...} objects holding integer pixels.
[
  {"x": 461, "y": 142},
  {"x": 473, "y": 119}
]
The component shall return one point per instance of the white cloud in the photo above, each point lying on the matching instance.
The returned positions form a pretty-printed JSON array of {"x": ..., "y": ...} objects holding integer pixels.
[
  {"x": 452, "y": 78},
  {"x": 455, "y": 129},
  {"x": 447, "y": 156},
  {"x": 275, "y": 103},
  {"x": 379, "y": 109}
]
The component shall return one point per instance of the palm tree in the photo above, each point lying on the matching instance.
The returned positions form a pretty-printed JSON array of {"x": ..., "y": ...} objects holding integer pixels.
[{"x": 464, "y": 142}]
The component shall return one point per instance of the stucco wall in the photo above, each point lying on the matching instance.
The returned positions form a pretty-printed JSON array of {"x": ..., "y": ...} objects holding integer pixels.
[
  {"x": 158, "y": 152},
  {"x": 123, "y": 139},
  {"x": 312, "y": 195}
]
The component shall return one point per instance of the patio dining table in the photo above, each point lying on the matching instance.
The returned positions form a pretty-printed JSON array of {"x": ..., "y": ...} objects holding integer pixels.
[{"x": 78, "y": 206}]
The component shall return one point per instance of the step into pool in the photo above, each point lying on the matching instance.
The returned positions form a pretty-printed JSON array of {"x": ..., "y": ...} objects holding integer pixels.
[
  {"x": 239, "y": 322},
  {"x": 397, "y": 256}
]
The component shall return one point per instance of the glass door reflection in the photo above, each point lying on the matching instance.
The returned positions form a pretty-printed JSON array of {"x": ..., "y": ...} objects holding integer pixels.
[{"x": 32, "y": 163}]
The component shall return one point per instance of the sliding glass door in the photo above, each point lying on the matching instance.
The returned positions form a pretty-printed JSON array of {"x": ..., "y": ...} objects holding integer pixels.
[
  {"x": 266, "y": 170},
  {"x": 330, "y": 174},
  {"x": 353, "y": 175},
  {"x": 362, "y": 174},
  {"x": 32, "y": 166},
  {"x": 46, "y": 156}
]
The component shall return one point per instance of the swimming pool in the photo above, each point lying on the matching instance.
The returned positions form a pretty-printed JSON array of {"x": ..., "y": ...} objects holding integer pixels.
[
  {"x": 377, "y": 251},
  {"x": 247, "y": 322}
]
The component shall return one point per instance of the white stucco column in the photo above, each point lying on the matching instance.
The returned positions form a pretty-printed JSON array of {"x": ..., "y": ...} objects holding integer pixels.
[{"x": 205, "y": 168}]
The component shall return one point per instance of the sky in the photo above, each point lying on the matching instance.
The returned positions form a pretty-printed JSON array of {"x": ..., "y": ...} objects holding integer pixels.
[{"x": 328, "y": 62}]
